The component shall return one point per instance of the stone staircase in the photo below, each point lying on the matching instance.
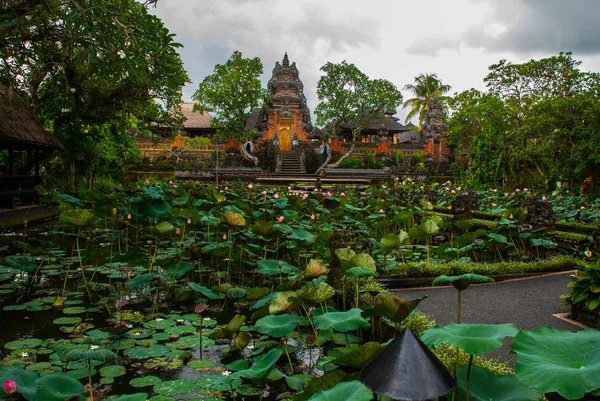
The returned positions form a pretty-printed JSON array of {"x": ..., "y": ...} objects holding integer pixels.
[{"x": 290, "y": 164}]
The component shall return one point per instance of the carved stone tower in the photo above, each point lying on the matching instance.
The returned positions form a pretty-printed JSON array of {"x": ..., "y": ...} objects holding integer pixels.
[
  {"x": 434, "y": 132},
  {"x": 288, "y": 117}
]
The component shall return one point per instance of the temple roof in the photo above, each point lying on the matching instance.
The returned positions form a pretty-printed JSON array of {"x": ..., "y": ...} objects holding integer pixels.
[
  {"x": 195, "y": 119},
  {"x": 383, "y": 122}
]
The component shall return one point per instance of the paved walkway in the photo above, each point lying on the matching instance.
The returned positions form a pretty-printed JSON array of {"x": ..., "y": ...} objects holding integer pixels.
[{"x": 528, "y": 303}]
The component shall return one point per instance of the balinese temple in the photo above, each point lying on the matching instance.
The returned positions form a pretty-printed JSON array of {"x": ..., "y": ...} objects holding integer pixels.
[{"x": 288, "y": 117}]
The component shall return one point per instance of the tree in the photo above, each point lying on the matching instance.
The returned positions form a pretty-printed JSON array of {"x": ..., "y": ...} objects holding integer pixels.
[
  {"x": 347, "y": 95},
  {"x": 427, "y": 88},
  {"x": 230, "y": 93},
  {"x": 91, "y": 63}
]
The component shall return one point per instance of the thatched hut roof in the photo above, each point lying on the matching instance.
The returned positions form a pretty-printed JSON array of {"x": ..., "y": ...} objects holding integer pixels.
[
  {"x": 195, "y": 119},
  {"x": 19, "y": 126}
]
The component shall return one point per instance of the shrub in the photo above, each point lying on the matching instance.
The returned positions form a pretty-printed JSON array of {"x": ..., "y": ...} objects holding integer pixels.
[{"x": 351, "y": 162}]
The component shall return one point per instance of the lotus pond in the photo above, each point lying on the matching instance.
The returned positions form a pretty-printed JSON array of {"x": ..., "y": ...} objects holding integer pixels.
[{"x": 163, "y": 291}]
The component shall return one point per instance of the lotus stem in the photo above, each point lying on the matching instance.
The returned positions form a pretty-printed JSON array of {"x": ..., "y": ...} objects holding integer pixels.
[
  {"x": 468, "y": 376},
  {"x": 200, "y": 336},
  {"x": 90, "y": 380},
  {"x": 288, "y": 356}
]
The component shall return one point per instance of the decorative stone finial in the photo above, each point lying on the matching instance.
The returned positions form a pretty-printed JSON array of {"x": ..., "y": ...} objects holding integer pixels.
[{"x": 286, "y": 61}]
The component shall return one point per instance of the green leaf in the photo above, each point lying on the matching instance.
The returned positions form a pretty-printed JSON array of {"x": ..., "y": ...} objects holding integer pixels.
[
  {"x": 341, "y": 321},
  {"x": 234, "y": 219},
  {"x": 364, "y": 260},
  {"x": 344, "y": 253},
  {"x": 302, "y": 235},
  {"x": 275, "y": 267},
  {"x": 429, "y": 227},
  {"x": 262, "y": 365},
  {"x": 132, "y": 397},
  {"x": 178, "y": 386},
  {"x": 207, "y": 292},
  {"x": 360, "y": 271},
  {"x": 57, "y": 387},
  {"x": 316, "y": 295},
  {"x": 360, "y": 357},
  {"x": 164, "y": 228},
  {"x": 281, "y": 302},
  {"x": 552, "y": 360},
  {"x": 484, "y": 385},
  {"x": 461, "y": 282},
  {"x": 347, "y": 391},
  {"x": 78, "y": 218},
  {"x": 472, "y": 338},
  {"x": 279, "y": 325}
]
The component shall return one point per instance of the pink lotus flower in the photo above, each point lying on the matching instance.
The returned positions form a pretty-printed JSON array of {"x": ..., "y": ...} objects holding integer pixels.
[
  {"x": 276, "y": 196},
  {"x": 422, "y": 187},
  {"x": 494, "y": 190},
  {"x": 249, "y": 186},
  {"x": 305, "y": 196},
  {"x": 568, "y": 191},
  {"x": 494, "y": 205},
  {"x": 280, "y": 219},
  {"x": 316, "y": 190},
  {"x": 506, "y": 194},
  {"x": 381, "y": 211},
  {"x": 289, "y": 188},
  {"x": 384, "y": 187},
  {"x": 453, "y": 192},
  {"x": 525, "y": 189},
  {"x": 328, "y": 193},
  {"x": 224, "y": 237},
  {"x": 177, "y": 231},
  {"x": 544, "y": 198},
  {"x": 517, "y": 190},
  {"x": 582, "y": 207},
  {"x": 510, "y": 216},
  {"x": 129, "y": 216},
  {"x": 147, "y": 181},
  {"x": 170, "y": 182},
  {"x": 189, "y": 221},
  {"x": 447, "y": 189},
  {"x": 10, "y": 387},
  {"x": 342, "y": 194},
  {"x": 221, "y": 191},
  {"x": 264, "y": 192},
  {"x": 312, "y": 216}
]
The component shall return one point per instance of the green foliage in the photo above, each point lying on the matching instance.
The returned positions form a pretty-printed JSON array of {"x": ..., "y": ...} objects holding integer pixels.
[
  {"x": 231, "y": 92},
  {"x": 454, "y": 268},
  {"x": 585, "y": 287},
  {"x": 347, "y": 95}
]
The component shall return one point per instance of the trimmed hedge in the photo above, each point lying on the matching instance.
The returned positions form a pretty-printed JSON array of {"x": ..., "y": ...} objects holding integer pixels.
[{"x": 454, "y": 268}]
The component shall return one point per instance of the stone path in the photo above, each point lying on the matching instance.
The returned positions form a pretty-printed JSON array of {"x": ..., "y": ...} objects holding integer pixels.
[{"x": 528, "y": 303}]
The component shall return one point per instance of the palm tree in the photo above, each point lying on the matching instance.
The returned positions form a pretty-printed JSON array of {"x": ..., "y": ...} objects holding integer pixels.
[{"x": 427, "y": 88}]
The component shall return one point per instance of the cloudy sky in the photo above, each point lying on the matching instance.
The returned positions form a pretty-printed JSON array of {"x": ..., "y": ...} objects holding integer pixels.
[{"x": 390, "y": 39}]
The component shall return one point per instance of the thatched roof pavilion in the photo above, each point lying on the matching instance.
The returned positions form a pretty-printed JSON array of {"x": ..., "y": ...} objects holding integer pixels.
[{"x": 19, "y": 128}]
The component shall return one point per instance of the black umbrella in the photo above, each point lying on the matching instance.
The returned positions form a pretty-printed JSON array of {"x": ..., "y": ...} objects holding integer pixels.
[{"x": 407, "y": 370}]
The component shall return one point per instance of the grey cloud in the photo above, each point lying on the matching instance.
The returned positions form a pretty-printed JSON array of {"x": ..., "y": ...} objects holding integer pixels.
[{"x": 532, "y": 26}]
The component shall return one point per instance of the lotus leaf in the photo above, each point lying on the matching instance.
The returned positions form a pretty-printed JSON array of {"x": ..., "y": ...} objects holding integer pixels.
[
  {"x": 347, "y": 391},
  {"x": 552, "y": 360},
  {"x": 68, "y": 199},
  {"x": 316, "y": 295},
  {"x": 100, "y": 354},
  {"x": 79, "y": 218},
  {"x": 392, "y": 241},
  {"x": 275, "y": 267},
  {"x": 392, "y": 307},
  {"x": 484, "y": 385},
  {"x": 200, "y": 364},
  {"x": 315, "y": 268},
  {"x": 429, "y": 227},
  {"x": 461, "y": 282},
  {"x": 297, "y": 382},
  {"x": 234, "y": 219},
  {"x": 146, "y": 352},
  {"x": 237, "y": 292},
  {"x": 144, "y": 381},
  {"x": 240, "y": 364},
  {"x": 359, "y": 271},
  {"x": 362, "y": 259},
  {"x": 360, "y": 357},
  {"x": 112, "y": 371},
  {"x": 497, "y": 237},
  {"x": 178, "y": 386},
  {"x": 164, "y": 228},
  {"x": 473, "y": 338},
  {"x": 264, "y": 228},
  {"x": 344, "y": 253},
  {"x": 279, "y": 325},
  {"x": 234, "y": 325},
  {"x": 131, "y": 397},
  {"x": 57, "y": 387},
  {"x": 218, "y": 248},
  {"x": 207, "y": 292},
  {"x": 25, "y": 379},
  {"x": 262, "y": 365},
  {"x": 257, "y": 293},
  {"x": 341, "y": 321},
  {"x": 74, "y": 310},
  {"x": 546, "y": 243},
  {"x": 302, "y": 235},
  {"x": 153, "y": 192},
  {"x": 21, "y": 263},
  {"x": 281, "y": 302}
]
